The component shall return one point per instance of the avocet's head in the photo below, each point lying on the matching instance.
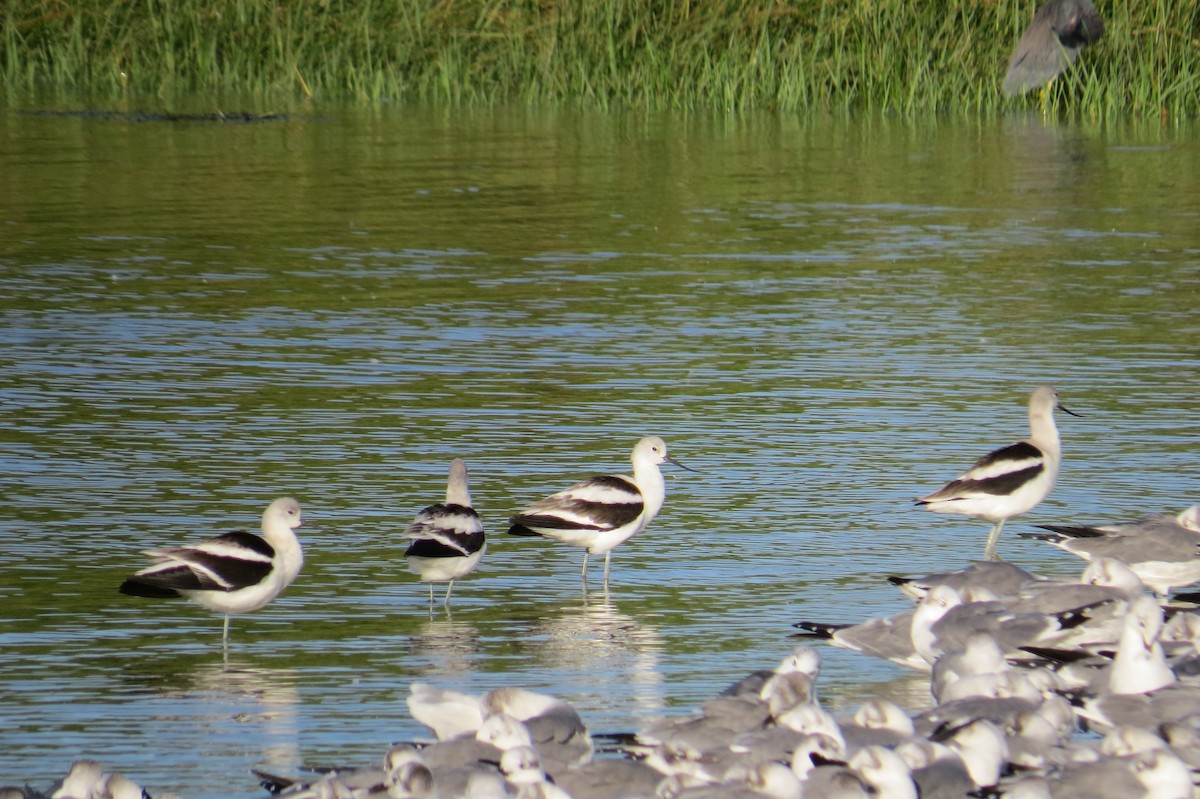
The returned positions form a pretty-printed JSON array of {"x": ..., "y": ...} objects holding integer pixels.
[
  {"x": 458, "y": 489},
  {"x": 286, "y": 510},
  {"x": 1044, "y": 400},
  {"x": 653, "y": 449}
]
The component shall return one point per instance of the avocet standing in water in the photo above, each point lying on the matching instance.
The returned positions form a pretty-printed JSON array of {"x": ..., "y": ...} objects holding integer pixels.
[
  {"x": 1011, "y": 480},
  {"x": 603, "y": 512},
  {"x": 447, "y": 538},
  {"x": 233, "y": 573}
]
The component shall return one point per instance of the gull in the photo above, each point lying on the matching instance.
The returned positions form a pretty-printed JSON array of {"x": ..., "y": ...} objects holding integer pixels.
[
  {"x": 455, "y": 762},
  {"x": 765, "y": 780},
  {"x": 885, "y": 772},
  {"x": 904, "y": 638},
  {"x": 83, "y": 776},
  {"x": 937, "y": 769},
  {"x": 1184, "y": 741},
  {"x": 1011, "y": 480},
  {"x": 603, "y": 512},
  {"x": 1104, "y": 580},
  {"x": 996, "y": 576},
  {"x": 983, "y": 749},
  {"x": 815, "y": 751},
  {"x": 232, "y": 573},
  {"x": 837, "y": 782},
  {"x": 955, "y": 673},
  {"x": 944, "y": 622},
  {"x": 408, "y": 776},
  {"x": 503, "y": 732},
  {"x": 1174, "y": 702},
  {"x": 805, "y": 660},
  {"x": 877, "y": 722},
  {"x": 506, "y": 718},
  {"x": 523, "y": 770},
  {"x": 335, "y": 786},
  {"x": 447, "y": 538},
  {"x": 1163, "y": 550},
  {"x": 403, "y": 773},
  {"x": 603, "y": 779},
  {"x": 888, "y": 638},
  {"x": 555, "y": 728},
  {"x": 449, "y": 714},
  {"x": 1140, "y": 665},
  {"x": 1130, "y": 741},
  {"x": 1154, "y": 774},
  {"x": 1011, "y": 695},
  {"x": 1039, "y": 739},
  {"x": 117, "y": 786},
  {"x": 730, "y": 732}
]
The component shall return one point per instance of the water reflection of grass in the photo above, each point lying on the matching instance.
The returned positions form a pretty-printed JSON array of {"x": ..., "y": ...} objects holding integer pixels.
[{"x": 899, "y": 55}]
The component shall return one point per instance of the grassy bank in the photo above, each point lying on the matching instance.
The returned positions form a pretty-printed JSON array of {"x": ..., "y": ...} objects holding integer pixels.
[{"x": 907, "y": 56}]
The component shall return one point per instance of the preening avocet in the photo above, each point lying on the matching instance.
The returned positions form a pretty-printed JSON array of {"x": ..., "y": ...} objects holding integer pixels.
[
  {"x": 602, "y": 512},
  {"x": 233, "y": 573},
  {"x": 447, "y": 538},
  {"x": 1011, "y": 480}
]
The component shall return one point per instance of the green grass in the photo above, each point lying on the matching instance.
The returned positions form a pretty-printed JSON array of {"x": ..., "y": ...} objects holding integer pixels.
[{"x": 897, "y": 56}]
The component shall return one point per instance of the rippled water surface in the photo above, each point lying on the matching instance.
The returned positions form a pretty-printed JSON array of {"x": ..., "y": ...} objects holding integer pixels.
[{"x": 823, "y": 318}]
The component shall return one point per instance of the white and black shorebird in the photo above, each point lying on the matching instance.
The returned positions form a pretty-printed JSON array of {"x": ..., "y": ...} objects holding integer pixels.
[
  {"x": 1011, "y": 480},
  {"x": 447, "y": 538},
  {"x": 232, "y": 573},
  {"x": 602, "y": 512}
]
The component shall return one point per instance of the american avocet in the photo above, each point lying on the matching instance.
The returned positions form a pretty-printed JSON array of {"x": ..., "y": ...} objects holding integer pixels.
[
  {"x": 232, "y": 573},
  {"x": 1011, "y": 480},
  {"x": 603, "y": 512},
  {"x": 447, "y": 538}
]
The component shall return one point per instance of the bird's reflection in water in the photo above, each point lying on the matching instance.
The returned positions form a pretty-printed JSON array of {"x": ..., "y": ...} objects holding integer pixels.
[
  {"x": 226, "y": 706},
  {"x": 447, "y": 647},
  {"x": 618, "y": 656},
  {"x": 268, "y": 700}
]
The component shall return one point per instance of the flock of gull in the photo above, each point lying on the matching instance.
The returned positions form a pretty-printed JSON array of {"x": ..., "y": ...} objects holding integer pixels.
[{"x": 1041, "y": 688}]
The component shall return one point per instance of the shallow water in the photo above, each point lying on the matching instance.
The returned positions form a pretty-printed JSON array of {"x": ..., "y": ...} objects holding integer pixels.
[{"x": 825, "y": 318}]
